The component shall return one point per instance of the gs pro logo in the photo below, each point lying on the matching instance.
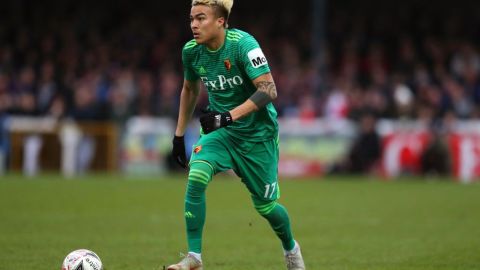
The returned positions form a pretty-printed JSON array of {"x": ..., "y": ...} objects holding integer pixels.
[{"x": 257, "y": 58}]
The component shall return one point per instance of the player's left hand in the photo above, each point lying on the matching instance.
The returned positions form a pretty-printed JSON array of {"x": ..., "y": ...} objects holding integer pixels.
[{"x": 213, "y": 120}]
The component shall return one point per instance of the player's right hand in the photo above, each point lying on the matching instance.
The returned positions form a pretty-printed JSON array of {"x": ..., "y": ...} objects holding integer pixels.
[
  {"x": 213, "y": 120},
  {"x": 178, "y": 151}
]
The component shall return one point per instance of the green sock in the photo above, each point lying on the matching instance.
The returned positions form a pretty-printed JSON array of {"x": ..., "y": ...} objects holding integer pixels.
[
  {"x": 199, "y": 176},
  {"x": 278, "y": 218}
]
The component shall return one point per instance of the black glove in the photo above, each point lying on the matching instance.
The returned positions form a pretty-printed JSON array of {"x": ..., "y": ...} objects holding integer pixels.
[
  {"x": 178, "y": 151},
  {"x": 213, "y": 120}
]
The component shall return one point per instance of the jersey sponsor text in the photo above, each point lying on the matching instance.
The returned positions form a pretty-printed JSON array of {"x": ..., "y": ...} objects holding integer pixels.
[{"x": 222, "y": 82}]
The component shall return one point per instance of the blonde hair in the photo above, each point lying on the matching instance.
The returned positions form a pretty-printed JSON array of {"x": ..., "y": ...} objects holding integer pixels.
[{"x": 222, "y": 7}]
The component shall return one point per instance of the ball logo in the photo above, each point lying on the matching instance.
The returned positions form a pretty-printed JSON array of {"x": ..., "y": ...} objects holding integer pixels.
[
  {"x": 197, "y": 149},
  {"x": 257, "y": 58},
  {"x": 82, "y": 259}
]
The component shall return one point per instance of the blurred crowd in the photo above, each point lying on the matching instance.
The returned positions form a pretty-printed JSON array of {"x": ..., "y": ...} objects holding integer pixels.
[{"x": 96, "y": 62}]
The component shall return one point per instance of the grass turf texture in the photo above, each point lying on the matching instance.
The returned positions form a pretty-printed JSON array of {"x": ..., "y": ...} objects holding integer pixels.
[{"x": 346, "y": 223}]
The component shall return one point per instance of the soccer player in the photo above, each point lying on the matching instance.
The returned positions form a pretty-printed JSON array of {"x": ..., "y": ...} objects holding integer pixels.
[{"x": 239, "y": 131}]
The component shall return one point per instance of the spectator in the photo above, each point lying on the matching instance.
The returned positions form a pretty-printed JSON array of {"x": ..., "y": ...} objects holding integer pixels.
[
  {"x": 396, "y": 66},
  {"x": 365, "y": 150}
]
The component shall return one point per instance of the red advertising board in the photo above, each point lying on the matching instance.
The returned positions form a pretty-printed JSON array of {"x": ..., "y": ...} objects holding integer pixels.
[
  {"x": 402, "y": 152},
  {"x": 465, "y": 156}
]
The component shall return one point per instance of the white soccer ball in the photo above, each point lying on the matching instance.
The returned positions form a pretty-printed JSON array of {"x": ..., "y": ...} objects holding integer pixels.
[{"x": 82, "y": 259}]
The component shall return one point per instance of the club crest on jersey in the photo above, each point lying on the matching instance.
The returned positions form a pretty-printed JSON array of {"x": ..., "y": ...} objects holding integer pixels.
[
  {"x": 197, "y": 149},
  {"x": 227, "y": 64}
]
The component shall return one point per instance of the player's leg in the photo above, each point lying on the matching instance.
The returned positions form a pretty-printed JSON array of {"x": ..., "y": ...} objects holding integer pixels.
[
  {"x": 208, "y": 158},
  {"x": 258, "y": 168},
  {"x": 277, "y": 216},
  {"x": 199, "y": 176}
]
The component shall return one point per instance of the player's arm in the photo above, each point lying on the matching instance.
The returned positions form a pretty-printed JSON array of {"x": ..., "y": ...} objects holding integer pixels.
[
  {"x": 188, "y": 101},
  {"x": 266, "y": 93}
]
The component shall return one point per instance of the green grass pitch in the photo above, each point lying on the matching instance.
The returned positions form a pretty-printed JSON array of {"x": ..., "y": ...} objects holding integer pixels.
[{"x": 341, "y": 223}]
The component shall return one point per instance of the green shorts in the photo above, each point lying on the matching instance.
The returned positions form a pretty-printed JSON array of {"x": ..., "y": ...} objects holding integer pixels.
[{"x": 256, "y": 163}]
